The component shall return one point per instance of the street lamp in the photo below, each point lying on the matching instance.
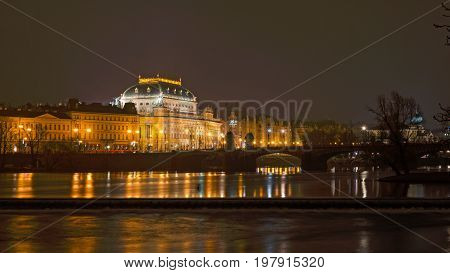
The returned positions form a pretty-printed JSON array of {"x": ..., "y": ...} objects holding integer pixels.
[
  {"x": 20, "y": 137},
  {"x": 269, "y": 130},
  {"x": 161, "y": 132},
  {"x": 138, "y": 132},
  {"x": 88, "y": 130},
  {"x": 208, "y": 140},
  {"x": 284, "y": 136}
]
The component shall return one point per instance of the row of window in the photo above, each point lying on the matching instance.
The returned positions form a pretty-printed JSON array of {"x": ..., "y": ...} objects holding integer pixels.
[
  {"x": 106, "y": 127},
  {"x": 106, "y": 118},
  {"x": 172, "y": 105}
]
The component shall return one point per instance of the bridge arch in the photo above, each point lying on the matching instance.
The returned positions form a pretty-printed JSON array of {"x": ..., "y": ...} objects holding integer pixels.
[{"x": 278, "y": 163}]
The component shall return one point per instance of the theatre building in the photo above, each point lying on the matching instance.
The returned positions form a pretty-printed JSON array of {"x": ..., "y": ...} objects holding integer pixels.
[{"x": 169, "y": 118}]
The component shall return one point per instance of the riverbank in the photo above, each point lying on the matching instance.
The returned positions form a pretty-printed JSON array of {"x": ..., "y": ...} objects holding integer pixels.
[
  {"x": 419, "y": 178},
  {"x": 222, "y": 203}
]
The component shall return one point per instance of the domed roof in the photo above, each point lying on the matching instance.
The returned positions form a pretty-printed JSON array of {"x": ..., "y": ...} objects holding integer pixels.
[
  {"x": 152, "y": 87},
  {"x": 417, "y": 119}
]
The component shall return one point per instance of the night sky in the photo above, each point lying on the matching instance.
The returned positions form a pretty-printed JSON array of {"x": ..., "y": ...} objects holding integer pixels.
[{"x": 228, "y": 50}]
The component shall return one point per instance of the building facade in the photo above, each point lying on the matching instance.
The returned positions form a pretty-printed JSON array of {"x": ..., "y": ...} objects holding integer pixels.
[
  {"x": 260, "y": 132},
  {"x": 155, "y": 115},
  {"x": 169, "y": 118}
]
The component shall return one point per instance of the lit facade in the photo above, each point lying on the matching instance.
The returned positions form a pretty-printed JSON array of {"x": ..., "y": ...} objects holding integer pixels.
[
  {"x": 157, "y": 114},
  {"x": 169, "y": 118},
  {"x": 266, "y": 132},
  {"x": 24, "y": 131}
]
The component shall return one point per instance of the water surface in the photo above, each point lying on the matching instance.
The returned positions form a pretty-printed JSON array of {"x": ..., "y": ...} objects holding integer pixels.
[
  {"x": 224, "y": 231},
  {"x": 205, "y": 185}
]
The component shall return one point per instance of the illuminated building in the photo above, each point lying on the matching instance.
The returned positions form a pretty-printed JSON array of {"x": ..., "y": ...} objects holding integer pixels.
[
  {"x": 264, "y": 132},
  {"x": 169, "y": 118},
  {"x": 415, "y": 132},
  {"x": 157, "y": 114}
]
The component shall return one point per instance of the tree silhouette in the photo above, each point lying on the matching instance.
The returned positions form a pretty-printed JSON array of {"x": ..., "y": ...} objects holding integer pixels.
[
  {"x": 229, "y": 138},
  {"x": 444, "y": 116},
  {"x": 445, "y": 26},
  {"x": 6, "y": 137},
  {"x": 249, "y": 138},
  {"x": 394, "y": 115}
]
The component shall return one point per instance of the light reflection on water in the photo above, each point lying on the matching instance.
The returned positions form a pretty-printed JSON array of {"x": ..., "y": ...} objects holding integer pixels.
[
  {"x": 222, "y": 231},
  {"x": 277, "y": 184}
]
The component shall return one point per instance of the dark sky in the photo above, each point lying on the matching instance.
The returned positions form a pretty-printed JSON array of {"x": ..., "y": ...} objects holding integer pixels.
[{"x": 228, "y": 50}]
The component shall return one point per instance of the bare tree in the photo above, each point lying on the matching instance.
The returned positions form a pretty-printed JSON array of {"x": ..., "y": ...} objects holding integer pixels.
[
  {"x": 6, "y": 136},
  {"x": 394, "y": 115},
  {"x": 445, "y": 26},
  {"x": 34, "y": 137},
  {"x": 444, "y": 116}
]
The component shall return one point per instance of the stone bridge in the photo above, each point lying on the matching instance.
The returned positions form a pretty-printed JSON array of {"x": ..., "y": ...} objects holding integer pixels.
[
  {"x": 316, "y": 158},
  {"x": 197, "y": 161}
]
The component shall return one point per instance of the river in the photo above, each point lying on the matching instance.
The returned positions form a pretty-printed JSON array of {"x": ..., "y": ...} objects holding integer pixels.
[
  {"x": 205, "y": 185},
  {"x": 210, "y": 230}
]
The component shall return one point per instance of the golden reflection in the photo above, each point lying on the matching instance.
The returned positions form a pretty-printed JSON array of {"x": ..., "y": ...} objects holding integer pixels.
[
  {"x": 210, "y": 246},
  {"x": 163, "y": 186},
  {"x": 132, "y": 229},
  {"x": 210, "y": 191},
  {"x": 24, "y": 185},
  {"x": 222, "y": 188},
  {"x": 187, "y": 186},
  {"x": 241, "y": 190},
  {"x": 22, "y": 224},
  {"x": 75, "y": 188},
  {"x": 89, "y": 190},
  {"x": 186, "y": 246},
  {"x": 82, "y": 186},
  {"x": 81, "y": 244},
  {"x": 132, "y": 185},
  {"x": 24, "y": 247},
  {"x": 283, "y": 188},
  {"x": 261, "y": 191}
]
